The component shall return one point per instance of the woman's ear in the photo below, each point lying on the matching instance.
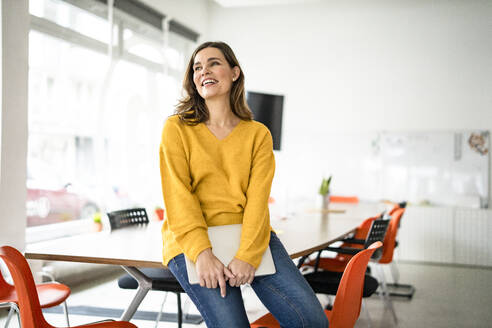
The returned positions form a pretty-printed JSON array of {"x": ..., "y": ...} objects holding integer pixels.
[{"x": 236, "y": 71}]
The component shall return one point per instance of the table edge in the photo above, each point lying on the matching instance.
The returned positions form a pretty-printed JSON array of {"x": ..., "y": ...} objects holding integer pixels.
[
  {"x": 152, "y": 264},
  {"x": 94, "y": 260},
  {"x": 321, "y": 246}
]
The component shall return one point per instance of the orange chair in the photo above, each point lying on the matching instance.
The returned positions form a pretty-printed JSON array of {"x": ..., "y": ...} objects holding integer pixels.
[
  {"x": 395, "y": 288},
  {"x": 339, "y": 262},
  {"x": 348, "y": 300},
  {"x": 390, "y": 239},
  {"x": 27, "y": 293},
  {"x": 50, "y": 294}
]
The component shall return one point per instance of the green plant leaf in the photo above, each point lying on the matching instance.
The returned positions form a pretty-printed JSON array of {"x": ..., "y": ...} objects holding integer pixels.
[{"x": 324, "y": 189}]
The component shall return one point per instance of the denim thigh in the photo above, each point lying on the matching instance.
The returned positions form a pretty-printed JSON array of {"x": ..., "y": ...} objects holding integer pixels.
[
  {"x": 287, "y": 295},
  {"x": 217, "y": 312}
]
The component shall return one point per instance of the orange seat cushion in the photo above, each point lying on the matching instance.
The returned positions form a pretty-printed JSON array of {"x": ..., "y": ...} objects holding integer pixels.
[{"x": 269, "y": 321}]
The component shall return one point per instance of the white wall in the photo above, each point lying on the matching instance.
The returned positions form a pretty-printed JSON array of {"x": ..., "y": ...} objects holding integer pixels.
[
  {"x": 13, "y": 147},
  {"x": 451, "y": 235},
  {"x": 357, "y": 66}
]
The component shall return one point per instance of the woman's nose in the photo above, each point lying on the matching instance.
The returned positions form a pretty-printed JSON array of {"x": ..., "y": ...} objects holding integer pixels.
[{"x": 205, "y": 71}]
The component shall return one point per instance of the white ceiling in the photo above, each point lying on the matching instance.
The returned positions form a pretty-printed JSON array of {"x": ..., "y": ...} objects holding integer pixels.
[{"x": 251, "y": 3}]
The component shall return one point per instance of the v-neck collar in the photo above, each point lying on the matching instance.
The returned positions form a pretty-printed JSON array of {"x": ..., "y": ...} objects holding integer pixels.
[{"x": 227, "y": 136}]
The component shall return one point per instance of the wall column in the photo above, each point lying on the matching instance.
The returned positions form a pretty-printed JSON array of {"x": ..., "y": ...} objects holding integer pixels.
[{"x": 14, "y": 34}]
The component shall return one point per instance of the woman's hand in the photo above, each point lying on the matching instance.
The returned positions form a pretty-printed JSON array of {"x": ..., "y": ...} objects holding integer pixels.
[
  {"x": 211, "y": 271},
  {"x": 243, "y": 272}
]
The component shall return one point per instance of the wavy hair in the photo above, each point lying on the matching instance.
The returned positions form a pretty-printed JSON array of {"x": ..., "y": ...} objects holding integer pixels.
[{"x": 192, "y": 109}]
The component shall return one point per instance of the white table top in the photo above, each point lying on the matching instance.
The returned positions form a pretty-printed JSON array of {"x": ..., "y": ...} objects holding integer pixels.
[{"x": 141, "y": 246}]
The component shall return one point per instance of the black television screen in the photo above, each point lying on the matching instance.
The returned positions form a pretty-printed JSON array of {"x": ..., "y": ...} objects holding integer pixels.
[{"x": 267, "y": 109}]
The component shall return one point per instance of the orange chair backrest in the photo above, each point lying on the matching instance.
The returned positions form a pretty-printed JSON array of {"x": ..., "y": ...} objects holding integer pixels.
[
  {"x": 344, "y": 199},
  {"x": 5, "y": 287},
  {"x": 389, "y": 240},
  {"x": 360, "y": 233},
  {"x": 390, "y": 237},
  {"x": 395, "y": 207},
  {"x": 30, "y": 310},
  {"x": 346, "y": 308},
  {"x": 364, "y": 227}
]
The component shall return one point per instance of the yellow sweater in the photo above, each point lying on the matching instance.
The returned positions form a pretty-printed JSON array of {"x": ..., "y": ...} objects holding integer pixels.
[{"x": 210, "y": 182}]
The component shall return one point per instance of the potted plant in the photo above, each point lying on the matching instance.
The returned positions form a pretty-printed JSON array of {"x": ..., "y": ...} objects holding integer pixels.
[
  {"x": 97, "y": 222},
  {"x": 159, "y": 212},
  {"x": 324, "y": 191}
]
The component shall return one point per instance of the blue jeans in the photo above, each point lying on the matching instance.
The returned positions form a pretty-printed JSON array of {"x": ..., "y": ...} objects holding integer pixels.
[{"x": 286, "y": 294}]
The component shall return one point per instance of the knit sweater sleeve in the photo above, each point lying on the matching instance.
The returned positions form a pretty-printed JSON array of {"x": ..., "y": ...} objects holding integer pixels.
[
  {"x": 255, "y": 234},
  {"x": 184, "y": 215}
]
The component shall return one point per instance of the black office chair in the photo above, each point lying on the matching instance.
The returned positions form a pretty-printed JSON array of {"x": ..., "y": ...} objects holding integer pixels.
[
  {"x": 128, "y": 217},
  {"x": 162, "y": 279},
  {"x": 327, "y": 282}
]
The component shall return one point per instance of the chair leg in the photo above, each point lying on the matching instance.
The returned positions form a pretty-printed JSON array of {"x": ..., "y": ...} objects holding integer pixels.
[
  {"x": 180, "y": 312},
  {"x": 395, "y": 273},
  {"x": 397, "y": 289},
  {"x": 401, "y": 290},
  {"x": 329, "y": 304},
  {"x": 65, "y": 310},
  {"x": 9, "y": 316},
  {"x": 13, "y": 309},
  {"x": 186, "y": 307},
  {"x": 158, "y": 319},
  {"x": 368, "y": 315},
  {"x": 385, "y": 295}
]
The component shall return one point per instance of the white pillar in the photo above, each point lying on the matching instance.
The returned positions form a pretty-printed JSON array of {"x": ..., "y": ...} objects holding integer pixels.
[{"x": 14, "y": 34}]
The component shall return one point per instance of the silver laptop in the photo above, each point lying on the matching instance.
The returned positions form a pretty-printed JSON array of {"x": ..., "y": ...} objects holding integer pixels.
[{"x": 225, "y": 241}]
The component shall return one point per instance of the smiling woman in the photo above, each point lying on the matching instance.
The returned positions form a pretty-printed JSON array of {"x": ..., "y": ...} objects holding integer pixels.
[{"x": 217, "y": 167}]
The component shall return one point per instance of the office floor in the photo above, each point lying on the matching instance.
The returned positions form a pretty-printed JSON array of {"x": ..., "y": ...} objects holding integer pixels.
[{"x": 447, "y": 296}]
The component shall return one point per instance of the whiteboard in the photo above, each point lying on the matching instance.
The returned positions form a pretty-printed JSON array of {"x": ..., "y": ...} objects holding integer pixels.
[
  {"x": 423, "y": 167},
  {"x": 439, "y": 168}
]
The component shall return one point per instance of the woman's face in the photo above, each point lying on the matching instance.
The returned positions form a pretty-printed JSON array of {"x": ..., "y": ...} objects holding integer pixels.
[{"x": 212, "y": 75}]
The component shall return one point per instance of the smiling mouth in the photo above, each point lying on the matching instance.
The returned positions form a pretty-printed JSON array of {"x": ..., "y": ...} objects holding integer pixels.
[{"x": 208, "y": 82}]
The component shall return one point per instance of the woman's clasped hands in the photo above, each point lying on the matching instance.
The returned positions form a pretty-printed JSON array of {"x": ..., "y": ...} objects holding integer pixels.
[
  {"x": 243, "y": 272},
  {"x": 212, "y": 273}
]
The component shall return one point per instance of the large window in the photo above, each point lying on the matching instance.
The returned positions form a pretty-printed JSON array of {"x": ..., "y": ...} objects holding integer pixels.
[{"x": 94, "y": 119}]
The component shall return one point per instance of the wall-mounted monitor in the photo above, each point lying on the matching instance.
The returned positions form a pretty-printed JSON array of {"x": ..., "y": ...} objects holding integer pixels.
[{"x": 267, "y": 109}]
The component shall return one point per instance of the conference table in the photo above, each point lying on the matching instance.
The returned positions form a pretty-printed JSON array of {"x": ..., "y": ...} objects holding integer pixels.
[{"x": 140, "y": 246}]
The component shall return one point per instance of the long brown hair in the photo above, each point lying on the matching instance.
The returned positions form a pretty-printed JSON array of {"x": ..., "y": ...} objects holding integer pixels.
[{"x": 192, "y": 109}]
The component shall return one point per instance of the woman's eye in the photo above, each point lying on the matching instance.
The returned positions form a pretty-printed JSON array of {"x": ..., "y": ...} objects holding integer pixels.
[
  {"x": 197, "y": 68},
  {"x": 214, "y": 63}
]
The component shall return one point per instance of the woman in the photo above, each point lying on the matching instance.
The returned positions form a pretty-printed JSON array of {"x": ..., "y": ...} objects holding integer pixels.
[{"x": 217, "y": 167}]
